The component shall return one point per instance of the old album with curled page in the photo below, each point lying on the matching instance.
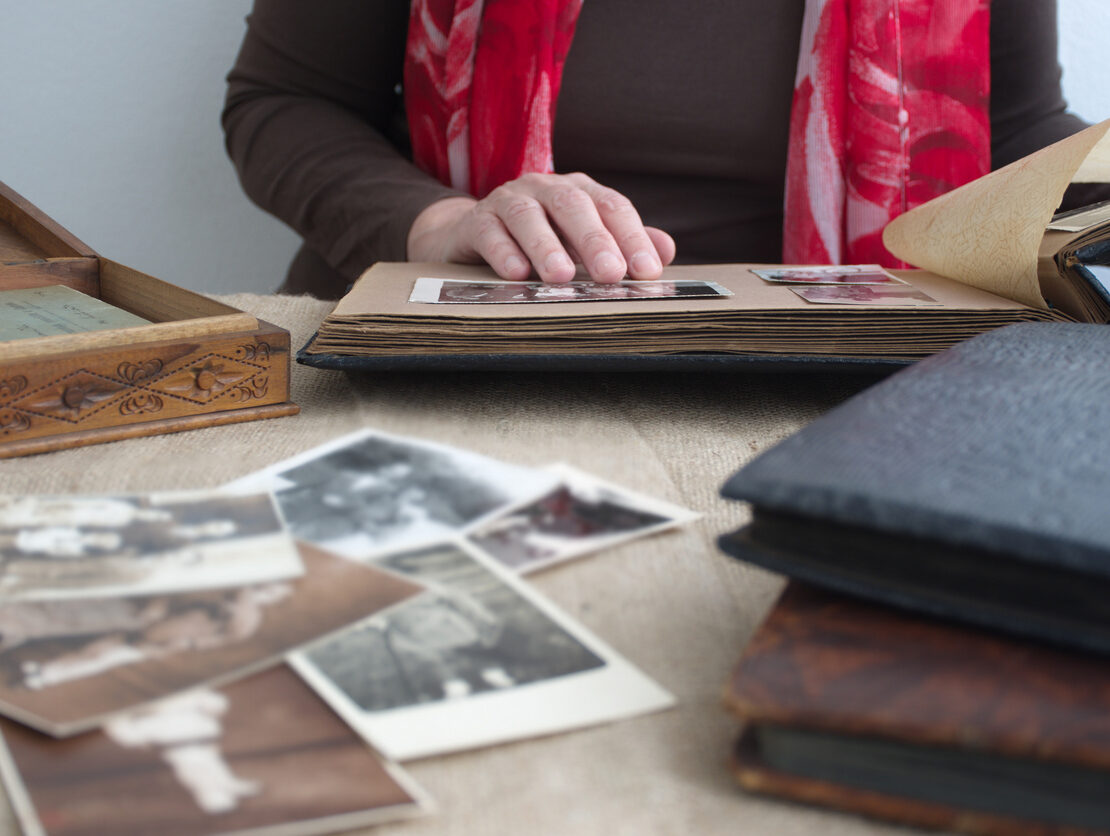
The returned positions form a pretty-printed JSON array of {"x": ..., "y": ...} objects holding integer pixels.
[{"x": 989, "y": 255}]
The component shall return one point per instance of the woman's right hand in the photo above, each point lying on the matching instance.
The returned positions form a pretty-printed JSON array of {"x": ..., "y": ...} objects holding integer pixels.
[{"x": 545, "y": 223}]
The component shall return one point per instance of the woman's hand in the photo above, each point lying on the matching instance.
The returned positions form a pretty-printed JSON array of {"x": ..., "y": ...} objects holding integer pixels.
[{"x": 545, "y": 222}]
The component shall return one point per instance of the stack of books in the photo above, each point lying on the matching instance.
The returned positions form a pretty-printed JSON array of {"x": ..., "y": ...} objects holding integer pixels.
[{"x": 939, "y": 655}]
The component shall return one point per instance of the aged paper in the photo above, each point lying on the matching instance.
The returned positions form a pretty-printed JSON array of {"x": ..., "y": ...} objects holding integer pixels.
[
  {"x": 57, "y": 309},
  {"x": 988, "y": 233}
]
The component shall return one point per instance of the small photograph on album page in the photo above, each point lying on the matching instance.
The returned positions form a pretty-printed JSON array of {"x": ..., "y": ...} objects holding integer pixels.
[
  {"x": 456, "y": 291},
  {"x": 850, "y": 274},
  {"x": 370, "y": 492},
  {"x": 582, "y": 515},
  {"x": 264, "y": 757},
  {"x": 904, "y": 296},
  {"x": 67, "y": 547},
  {"x": 479, "y": 658},
  {"x": 66, "y": 665}
]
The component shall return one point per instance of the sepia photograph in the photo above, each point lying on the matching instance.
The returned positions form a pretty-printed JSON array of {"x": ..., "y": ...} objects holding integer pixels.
[
  {"x": 370, "y": 492},
  {"x": 865, "y": 295},
  {"x": 843, "y": 274},
  {"x": 67, "y": 547},
  {"x": 65, "y": 665},
  {"x": 583, "y": 515},
  {"x": 263, "y": 756},
  {"x": 456, "y": 291},
  {"x": 476, "y": 659}
]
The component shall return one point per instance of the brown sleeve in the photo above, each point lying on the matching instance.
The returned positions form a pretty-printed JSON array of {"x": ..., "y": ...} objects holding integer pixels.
[
  {"x": 314, "y": 125},
  {"x": 1028, "y": 110}
]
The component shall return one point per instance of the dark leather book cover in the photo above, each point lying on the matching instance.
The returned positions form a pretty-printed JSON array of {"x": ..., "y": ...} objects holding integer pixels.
[
  {"x": 859, "y": 706},
  {"x": 974, "y": 484}
]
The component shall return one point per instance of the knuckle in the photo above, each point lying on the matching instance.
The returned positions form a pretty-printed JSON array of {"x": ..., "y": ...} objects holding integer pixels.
[
  {"x": 543, "y": 244},
  {"x": 567, "y": 198},
  {"x": 499, "y": 250},
  {"x": 595, "y": 239},
  {"x": 486, "y": 226},
  {"x": 519, "y": 206},
  {"x": 613, "y": 202},
  {"x": 634, "y": 241}
]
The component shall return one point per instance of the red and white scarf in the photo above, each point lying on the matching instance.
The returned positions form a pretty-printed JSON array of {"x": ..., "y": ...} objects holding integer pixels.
[{"x": 891, "y": 107}]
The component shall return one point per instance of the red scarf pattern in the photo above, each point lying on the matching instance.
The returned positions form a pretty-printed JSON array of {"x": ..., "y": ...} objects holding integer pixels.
[
  {"x": 481, "y": 81},
  {"x": 891, "y": 107}
]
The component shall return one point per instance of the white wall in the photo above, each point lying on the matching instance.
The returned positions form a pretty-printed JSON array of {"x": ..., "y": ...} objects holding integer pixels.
[
  {"x": 109, "y": 121},
  {"x": 1084, "y": 33}
]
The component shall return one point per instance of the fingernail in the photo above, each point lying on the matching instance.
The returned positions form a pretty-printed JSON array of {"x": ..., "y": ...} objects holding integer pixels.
[
  {"x": 644, "y": 262},
  {"x": 606, "y": 263},
  {"x": 556, "y": 262},
  {"x": 513, "y": 264}
]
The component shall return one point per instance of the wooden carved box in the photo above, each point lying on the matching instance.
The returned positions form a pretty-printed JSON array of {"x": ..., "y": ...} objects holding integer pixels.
[{"x": 193, "y": 363}]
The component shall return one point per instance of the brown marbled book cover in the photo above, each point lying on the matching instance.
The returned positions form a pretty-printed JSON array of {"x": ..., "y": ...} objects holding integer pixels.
[{"x": 853, "y": 705}]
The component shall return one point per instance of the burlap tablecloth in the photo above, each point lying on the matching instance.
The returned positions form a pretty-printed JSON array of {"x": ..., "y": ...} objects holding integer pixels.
[{"x": 671, "y": 604}]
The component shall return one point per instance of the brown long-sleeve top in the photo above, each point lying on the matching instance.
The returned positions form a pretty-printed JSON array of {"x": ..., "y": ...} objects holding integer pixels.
[{"x": 685, "y": 109}]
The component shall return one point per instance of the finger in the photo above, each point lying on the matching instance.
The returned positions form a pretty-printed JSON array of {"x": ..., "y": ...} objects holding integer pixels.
[
  {"x": 492, "y": 241},
  {"x": 627, "y": 229},
  {"x": 526, "y": 221},
  {"x": 664, "y": 244},
  {"x": 576, "y": 216}
]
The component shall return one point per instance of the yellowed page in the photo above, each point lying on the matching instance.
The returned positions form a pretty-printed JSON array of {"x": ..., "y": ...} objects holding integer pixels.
[{"x": 987, "y": 234}]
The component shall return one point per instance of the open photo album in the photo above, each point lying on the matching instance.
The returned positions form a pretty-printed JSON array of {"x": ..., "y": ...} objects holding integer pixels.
[{"x": 989, "y": 254}]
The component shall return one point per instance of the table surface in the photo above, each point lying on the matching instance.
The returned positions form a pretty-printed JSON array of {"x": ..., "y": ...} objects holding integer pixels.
[{"x": 672, "y": 604}]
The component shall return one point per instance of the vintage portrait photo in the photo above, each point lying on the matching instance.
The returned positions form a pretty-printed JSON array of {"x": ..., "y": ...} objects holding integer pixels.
[
  {"x": 373, "y": 492},
  {"x": 836, "y": 275},
  {"x": 64, "y": 547},
  {"x": 456, "y": 291},
  {"x": 477, "y": 658},
  {"x": 261, "y": 756},
  {"x": 64, "y": 665},
  {"x": 866, "y": 295},
  {"x": 582, "y": 515}
]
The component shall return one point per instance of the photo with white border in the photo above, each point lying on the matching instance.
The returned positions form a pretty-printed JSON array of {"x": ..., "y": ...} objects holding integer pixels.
[{"x": 480, "y": 658}]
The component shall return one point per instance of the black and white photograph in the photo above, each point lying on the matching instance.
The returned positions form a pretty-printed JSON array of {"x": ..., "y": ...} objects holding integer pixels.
[
  {"x": 65, "y": 547},
  {"x": 583, "y": 515},
  {"x": 476, "y": 659},
  {"x": 836, "y": 275},
  {"x": 65, "y": 665},
  {"x": 455, "y": 291},
  {"x": 866, "y": 295},
  {"x": 370, "y": 492},
  {"x": 263, "y": 756}
]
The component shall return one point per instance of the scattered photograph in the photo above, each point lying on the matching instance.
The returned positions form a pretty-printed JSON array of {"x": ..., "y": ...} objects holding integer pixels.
[
  {"x": 836, "y": 275},
  {"x": 66, "y": 547},
  {"x": 456, "y": 291},
  {"x": 370, "y": 492},
  {"x": 866, "y": 295},
  {"x": 263, "y": 756},
  {"x": 582, "y": 515},
  {"x": 477, "y": 659},
  {"x": 66, "y": 665}
]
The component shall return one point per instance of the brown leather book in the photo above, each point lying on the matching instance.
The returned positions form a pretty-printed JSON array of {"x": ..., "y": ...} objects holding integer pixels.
[{"x": 853, "y": 705}]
